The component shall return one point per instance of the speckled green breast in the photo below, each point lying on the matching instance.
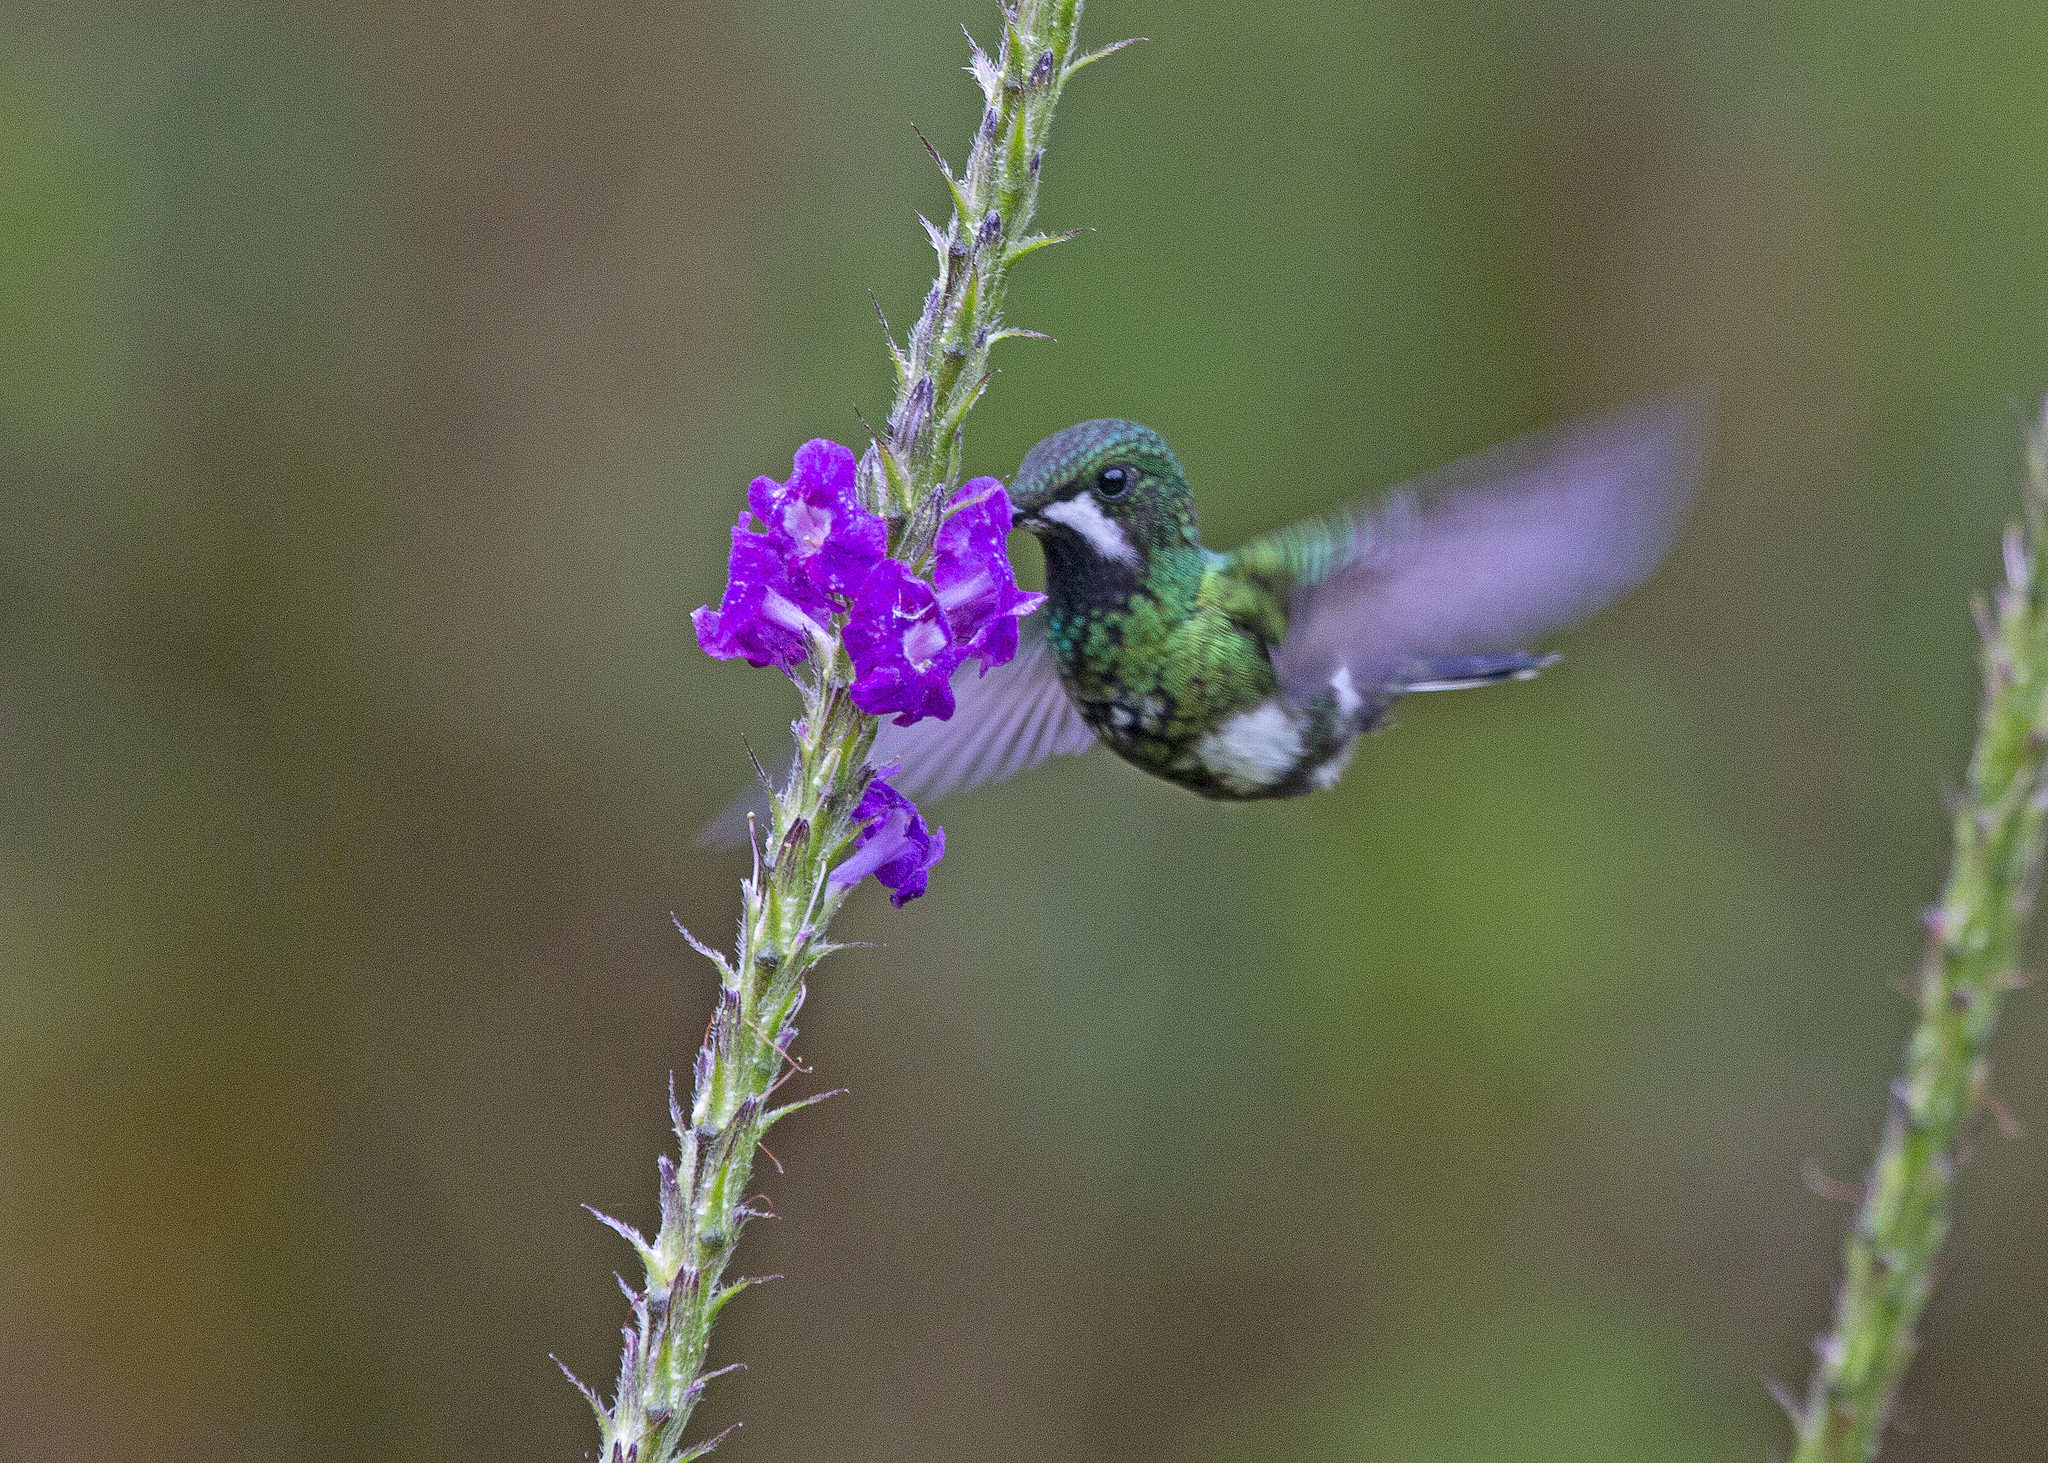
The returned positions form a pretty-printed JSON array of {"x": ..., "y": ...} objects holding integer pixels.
[{"x": 1189, "y": 696}]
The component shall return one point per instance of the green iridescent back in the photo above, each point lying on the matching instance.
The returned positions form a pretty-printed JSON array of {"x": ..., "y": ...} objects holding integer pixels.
[{"x": 1302, "y": 553}]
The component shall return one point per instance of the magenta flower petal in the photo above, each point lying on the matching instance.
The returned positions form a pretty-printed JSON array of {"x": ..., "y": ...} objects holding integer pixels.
[
  {"x": 976, "y": 583},
  {"x": 767, "y": 617},
  {"x": 894, "y": 845},
  {"x": 902, "y": 647},
  {"x": 817, "y": 521}
]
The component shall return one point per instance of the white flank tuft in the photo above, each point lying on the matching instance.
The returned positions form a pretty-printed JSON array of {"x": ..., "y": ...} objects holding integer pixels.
[
  {"x": 1254, "y": 749},
  {"x": 1081, "y": 515},
  {"x": 1348, "y": 699}
]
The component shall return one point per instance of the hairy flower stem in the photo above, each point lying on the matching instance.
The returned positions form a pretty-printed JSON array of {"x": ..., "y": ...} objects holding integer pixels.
[
  {"x": 790, "y": 899},
  {"x": 942, "y": 369},
  {"x": 1972, "y": 960}
]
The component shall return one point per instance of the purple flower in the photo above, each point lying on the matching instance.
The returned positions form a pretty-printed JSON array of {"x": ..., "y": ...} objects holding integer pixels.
[
  {"x": 976, "y": 584},
  {"x": 895, "y": 845},
  {"x": 817, "y": 521},
  {"x": 902, "y": 647},
  {"x": 768, "y": 615}
]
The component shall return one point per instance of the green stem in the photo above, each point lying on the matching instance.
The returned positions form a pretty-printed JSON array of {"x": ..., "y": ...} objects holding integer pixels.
[
  {"x": 788, "y": 903},
  {"x": 942, "y": 368},
  {"x": 1972, "y": 960},
  {"x": 789, "y": 900}
]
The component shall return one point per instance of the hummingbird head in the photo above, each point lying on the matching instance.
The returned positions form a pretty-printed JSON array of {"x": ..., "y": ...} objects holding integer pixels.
[{"x": 1104, "y": 493}]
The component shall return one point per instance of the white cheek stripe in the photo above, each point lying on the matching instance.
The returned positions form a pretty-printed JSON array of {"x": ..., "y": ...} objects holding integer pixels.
[{"x": 1081, "y": 515}]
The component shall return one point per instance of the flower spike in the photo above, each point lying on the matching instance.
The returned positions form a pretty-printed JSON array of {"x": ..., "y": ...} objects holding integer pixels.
[{"x": 868, "y": 581}]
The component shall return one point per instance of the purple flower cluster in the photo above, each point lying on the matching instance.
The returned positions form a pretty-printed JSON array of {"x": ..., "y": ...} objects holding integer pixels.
[{"x": 807, "y": 552}]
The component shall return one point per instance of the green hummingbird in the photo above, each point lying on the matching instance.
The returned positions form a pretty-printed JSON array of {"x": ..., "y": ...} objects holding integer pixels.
[{"x": 1253, "y": 673}]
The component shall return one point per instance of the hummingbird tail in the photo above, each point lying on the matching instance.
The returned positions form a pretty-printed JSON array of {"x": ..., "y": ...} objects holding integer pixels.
[{"x": 1456, "y": 672}]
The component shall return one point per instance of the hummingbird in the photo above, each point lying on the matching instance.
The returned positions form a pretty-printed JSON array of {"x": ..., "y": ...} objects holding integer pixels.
[{"x": 1253, "y": 673}]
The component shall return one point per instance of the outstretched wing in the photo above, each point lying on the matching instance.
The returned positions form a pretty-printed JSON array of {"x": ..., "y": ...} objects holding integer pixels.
[
  {"x": 1003, "y": 723},
  {"x": 1486, "y": 554}
]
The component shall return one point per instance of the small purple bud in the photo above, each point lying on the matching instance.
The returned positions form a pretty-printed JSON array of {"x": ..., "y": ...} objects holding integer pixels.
[
  {"x": 792, "y": 844},
  {"x": 991, "y": 229},
  {"x": 871, "y": 481},
  {"x": 671, "y": 1190},
  {"x": 927, "y": 320},
  {"x": 916, "y": 409}
]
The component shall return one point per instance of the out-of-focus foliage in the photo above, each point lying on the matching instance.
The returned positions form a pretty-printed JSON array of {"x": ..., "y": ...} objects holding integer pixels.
[{"x": 375, "y": 385}]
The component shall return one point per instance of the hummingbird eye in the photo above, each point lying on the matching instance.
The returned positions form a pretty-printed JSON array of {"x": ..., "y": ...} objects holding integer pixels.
[{"x": 1113, "y": 482}]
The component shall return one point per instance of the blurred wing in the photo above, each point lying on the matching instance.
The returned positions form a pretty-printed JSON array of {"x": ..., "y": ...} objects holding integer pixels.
[
  {"x": 1489, "y": 553},
  {"x": 1003, "y": 723}
]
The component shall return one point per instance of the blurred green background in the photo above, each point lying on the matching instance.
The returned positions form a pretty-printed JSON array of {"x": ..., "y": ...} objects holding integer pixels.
[{"x": 376, "y": 384}]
